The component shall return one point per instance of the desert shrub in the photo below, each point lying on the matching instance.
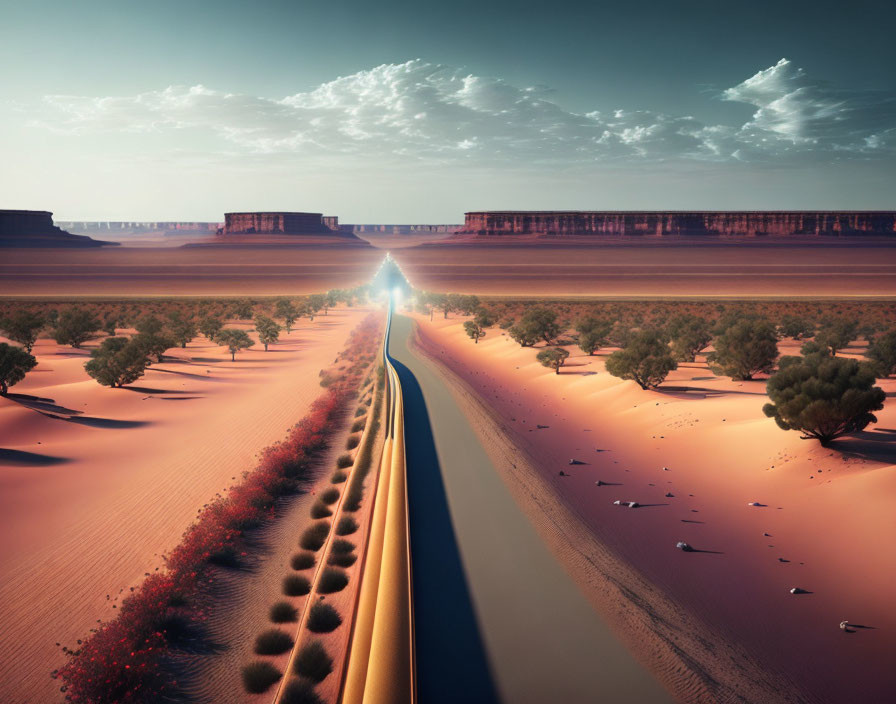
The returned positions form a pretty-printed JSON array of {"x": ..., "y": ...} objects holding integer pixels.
[
  {"x": 796, "y": 326},
  {"x": 646, "y": 359},
  {"x": 259, "y": 676},
  {"x": 358, "y": 425},
  {"x": 475, "y": 331},
  {"x": 690, "y": 335},
  {"x": 536, "y": 324},
  {"x": 338, "y": 477},
  {"x": 837, "y": 333},
  {"x": 23, "y": 326},
  {"x": 117, "y": 361},
  {"x": 330, "y": 496},
  {"x": 342, "y": 546},
  {"x": 315, "y": 536},
  {"x": 342, "y": 560},
  {"x": 75, "y": 326},
  {"x": 313, "y": 662},
  {"x": 296, "y": 585},
  {"x": 320, "y": 510},
  {"x": 302, "y": 560},
  {"x": 15, "y": 363},
  {"x": 346, "y": 526},
  {"x": 745, "y": 348},
  {"x": 822, "y": 396},
  {"x": 332, "y": 580},
  {"x": 344, "y": 461},
  {"x": 883, "y": 353},
  {"x": 283, "y": 612},
  {"x": 323, "y": 618},
  {"x": 234, "y": 341},
  {"x": 352, "y": 442},
  {"x": 300, "y": 692},
  {"x": 273, "y": 642},
  {"x": 360, "y": 412},
  {"x": 553, "y": 358}
]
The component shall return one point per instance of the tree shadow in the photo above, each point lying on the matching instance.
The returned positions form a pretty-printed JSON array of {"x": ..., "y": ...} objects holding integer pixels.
[
  {"x": 91, "y": 422},
  {"x": 21, "y": 458},
  {"x": 148, "y": 390},
  {"x": 701, "y": 392},
  {"x": 43, "y": 405},
  {"x": 878, "y": 445},
  {"x": 446, "y": 632}
]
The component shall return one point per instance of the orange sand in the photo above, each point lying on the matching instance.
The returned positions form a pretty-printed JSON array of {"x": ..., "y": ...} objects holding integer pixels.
[
  {"x": 116, "y": 475},
  {"x": 828, "y": 512}
]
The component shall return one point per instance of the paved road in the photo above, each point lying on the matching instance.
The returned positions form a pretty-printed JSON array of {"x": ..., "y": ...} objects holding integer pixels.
[{"x": 496, "y": 617}]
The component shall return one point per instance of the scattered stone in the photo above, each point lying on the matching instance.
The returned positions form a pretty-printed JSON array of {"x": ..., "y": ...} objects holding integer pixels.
[
  {"x": 665, "y": 469},
  {"x": 844, "y": 625},
  {"x": 797, "y": 590},
  {"x": 681, "y": 545},
  {"x": 629, "y": 504},
  {"x": 669, "y": 494},
  {"x": 599, "y": 482},
  {"x": 563, "y": 474},
  {"x": 576, "y": 462},
  {"x": 756, "y": 503}
]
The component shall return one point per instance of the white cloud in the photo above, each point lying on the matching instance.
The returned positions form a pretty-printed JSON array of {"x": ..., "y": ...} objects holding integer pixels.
[{"x": 439, "y": 113}]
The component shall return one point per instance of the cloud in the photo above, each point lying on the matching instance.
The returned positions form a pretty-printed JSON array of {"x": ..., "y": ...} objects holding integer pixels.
[{"x": 442, "y": 114}]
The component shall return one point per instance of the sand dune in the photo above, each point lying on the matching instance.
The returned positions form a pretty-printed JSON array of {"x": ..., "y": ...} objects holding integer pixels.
[
  {"x": 96, "y": 483},
  {"x": 824, "y": 524}
]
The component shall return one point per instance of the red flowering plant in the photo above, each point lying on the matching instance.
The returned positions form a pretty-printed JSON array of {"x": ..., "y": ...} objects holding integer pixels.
[{"x": 122, "y": 660}]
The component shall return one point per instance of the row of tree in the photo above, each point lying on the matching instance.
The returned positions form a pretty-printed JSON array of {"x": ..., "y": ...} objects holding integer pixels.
[
  {"x": 817, "y": 393},
  {"x": 121, "y": 360}
]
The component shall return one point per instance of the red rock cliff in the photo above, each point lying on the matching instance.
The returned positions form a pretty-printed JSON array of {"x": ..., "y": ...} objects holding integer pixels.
[
  {"x": 279, "y": 223},
  {"x": 35, "y": 228},
  {"x": 696, "y": 223}
]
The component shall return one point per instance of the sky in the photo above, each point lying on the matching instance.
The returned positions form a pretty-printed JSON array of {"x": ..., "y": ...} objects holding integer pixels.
[{"x": 414, "y": 112}]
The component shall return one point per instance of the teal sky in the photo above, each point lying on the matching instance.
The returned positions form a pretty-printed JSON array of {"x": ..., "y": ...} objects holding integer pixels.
[{"x": 414, "y": 112}]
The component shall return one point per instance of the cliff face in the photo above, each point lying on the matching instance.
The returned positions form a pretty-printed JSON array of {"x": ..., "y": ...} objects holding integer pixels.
[
  {"x": 698, "y": 223},
  {"x": 35, "y": 228},
  {"x": 269, "y": 223}
]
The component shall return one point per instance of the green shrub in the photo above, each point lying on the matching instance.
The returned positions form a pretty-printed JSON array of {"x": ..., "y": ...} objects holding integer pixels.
[
  {"x": 300, "y": 692},
  {"x": 323, "y": 618},
  {"x": 330, "y": 496},
  {"x": 360, "y": 412},
  {"x": 332, "y": 580},
  {"x": 302, "y": 560},
  {"x": 342, "y": 546},
  {"x": 259, "y": 676},
  {"x": 282, "y": 612},
  {"x": 320, "y": 510},
  {"x": 352, "y": 442},
  {"x": 358, "y": 425},
  {"x": 344, "y": 461},
  {"x": 315, "y": 536},
  {"x": 273, "y": 642},
  {"x": 342, "y": 559},
  {"x": 296, "y": 585},
  {"x": 346, "y": 526},
  {"x": 338, "y": 477},
  {"x": 313, "y": 662}
]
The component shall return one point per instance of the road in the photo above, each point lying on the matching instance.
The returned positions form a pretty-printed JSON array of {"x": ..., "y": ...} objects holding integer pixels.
[{"x": 496, "y": 616}]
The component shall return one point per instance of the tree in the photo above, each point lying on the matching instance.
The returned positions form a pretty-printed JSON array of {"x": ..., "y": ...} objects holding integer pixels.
[
  {"x": 796, "y": 327},
  {"x": 117, "y": 361},
  {"x": 268, "y": 330},
  {"x": 747, "y": 347},
  {"x": 474, "y": 330},
  {"x": 75, "y": 326},
  {"x": 183, "y": 329},
  {"x": 883, "y": 353},
  {"x": 110, "y": 324},
  {"x": 242, "y": 309},
  {"x": 645, "y": 359},
  {"x": 234, "y": 341},
  {"x": 690, "y": 335},
  {"x": 593, "y": 333},
  {"x": 553, "y": 358},
  {"x": 23, "y": 326},
  {"x": 483, "y": 318},
  {"x": 210, "y": 326},
  {"x": 837, "y": 333},
  {"x": 535, "y": 324},
  {"x": 823, "y": 397},
  {"x": 287, "y": 310},
  {"x": 443, "y": 302},
  {"x": 466, "y": 305},
  {"x": 15, "y": 363},
  {"x": 315, "y": 302},
  {"x": 152, "y": 338},
  {"x": 331, "y": 298}
]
